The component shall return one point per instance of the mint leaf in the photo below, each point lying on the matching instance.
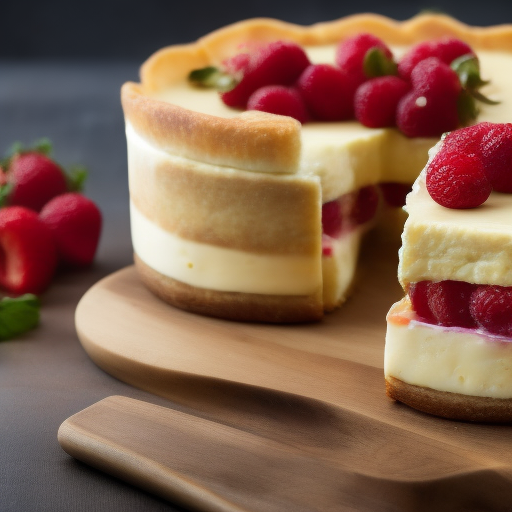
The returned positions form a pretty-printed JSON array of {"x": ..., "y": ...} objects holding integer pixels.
[
  {"x": 212, "y": 78},
  {"x": 18, "y": 315}
]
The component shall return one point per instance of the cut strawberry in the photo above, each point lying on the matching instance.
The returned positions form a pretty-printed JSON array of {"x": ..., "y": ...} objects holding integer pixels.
[
  {"x": 328, "y": 92},
  {"x": 278, "y": 99},
  {"x": 75, "y": 222},
  {"x": 27, "y": 251}
]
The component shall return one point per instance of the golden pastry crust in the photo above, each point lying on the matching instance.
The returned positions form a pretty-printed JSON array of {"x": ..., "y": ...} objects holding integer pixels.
[
  {"x": 450, "y": 405},
  {"x": 242, "y": 307}
]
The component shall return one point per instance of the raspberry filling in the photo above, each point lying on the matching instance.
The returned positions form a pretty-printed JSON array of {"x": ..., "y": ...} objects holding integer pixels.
[
  {"x": 460, "y": 304},
  {"x": 347, "y": 213}
]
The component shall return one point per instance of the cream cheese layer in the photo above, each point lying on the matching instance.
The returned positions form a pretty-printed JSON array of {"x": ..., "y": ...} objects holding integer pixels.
[
  {"x": 222, "y": 269},
  {"x": 448, "y": 359},
  {"x": 473, "y": 245},
  {"x": 347, "y": 155}
]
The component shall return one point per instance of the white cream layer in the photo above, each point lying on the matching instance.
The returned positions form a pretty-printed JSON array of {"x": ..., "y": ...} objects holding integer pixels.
[
  {"x": 221, "y": 269},
  {"x": 449, "y": 359}
]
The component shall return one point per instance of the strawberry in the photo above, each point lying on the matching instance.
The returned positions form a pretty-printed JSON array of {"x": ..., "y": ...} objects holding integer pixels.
[
  {"x": 278, "y": 99},
  {"x": 328, "y": 92},
  {"x": 377, "y": 99},
  {"x": 28, "y": 254},
  {"x": 491, "y": 307},
  {"x": 75, "y": 222},
  {"x": 418, "y": 293},
  {"x": 449, "y": 303},
  {"x": 279, "y": 63}
]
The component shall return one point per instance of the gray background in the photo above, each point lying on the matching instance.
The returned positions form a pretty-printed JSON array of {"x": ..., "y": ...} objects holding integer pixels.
[{"x": 61, "y": 67}]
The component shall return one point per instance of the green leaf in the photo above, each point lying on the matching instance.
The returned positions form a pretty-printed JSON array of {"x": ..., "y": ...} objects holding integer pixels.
[
  {"x": 43, "y": 145},
  {"x": 76, "y": 177},
  {"x": 5, "y": 191},
  {"x": 377, "y": 63},
  {"x": 466, "y": 107},
  {"x": 18, "y": 315},
  {"x": 212, "y": 78}
]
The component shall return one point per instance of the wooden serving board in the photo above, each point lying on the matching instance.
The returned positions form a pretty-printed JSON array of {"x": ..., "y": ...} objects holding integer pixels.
[{"x": 313, "y": 395}]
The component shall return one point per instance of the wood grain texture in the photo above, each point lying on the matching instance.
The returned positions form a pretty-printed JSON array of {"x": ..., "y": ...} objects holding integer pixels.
[{"x": 327, "y": 437}]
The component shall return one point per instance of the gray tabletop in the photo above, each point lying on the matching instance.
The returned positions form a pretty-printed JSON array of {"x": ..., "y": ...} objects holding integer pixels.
[{"x": 45, "y": 375}]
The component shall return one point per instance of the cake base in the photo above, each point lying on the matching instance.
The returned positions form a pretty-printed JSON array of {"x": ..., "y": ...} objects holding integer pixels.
[
  {"x": 242, "y": 307},
  {"x": 450, "y": 405}
]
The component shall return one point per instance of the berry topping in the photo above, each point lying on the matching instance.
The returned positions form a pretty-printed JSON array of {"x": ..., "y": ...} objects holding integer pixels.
[
  {"x": 376, "y": 101},
  {"x": 457, "y": 180},
  {"x": 496, "y": 150},
  {"x": 491, "y": 307},
  {"x": 432, "y": 77},
  {"x": 394, "y": 193},
  {"x": 75, "y": 223},
  {"x": 449, "y": 303},
  {"x": 332, "y": 218},
  {"x": 466, "y": 140},
  {"x": 418, "y": 293},
  {"x": 27, "y": 251},
  {"x": 278, "y": 99},
  {"x": 351, "y": 53},
  {"x": 365, "y": 205},
  {"x": 328, "y": 92},
  {"x": 446, "y": 49},
  {"x": 279, "y": 63}
]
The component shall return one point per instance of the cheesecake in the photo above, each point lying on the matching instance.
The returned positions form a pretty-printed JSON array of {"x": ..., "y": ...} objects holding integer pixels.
[
  {"x": 228, "y": 207},
  {"x": 453, "y": 360}
]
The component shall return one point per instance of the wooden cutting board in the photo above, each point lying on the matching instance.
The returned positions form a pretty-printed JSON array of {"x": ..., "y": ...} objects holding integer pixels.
[{"x": 312, "y": 394}]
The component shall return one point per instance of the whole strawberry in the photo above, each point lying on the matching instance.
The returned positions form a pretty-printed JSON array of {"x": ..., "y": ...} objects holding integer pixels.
[
  {"x": 30, "y": 178},
  {"x": 75, "y": 222},
  {"x": 29, "y": 256}
]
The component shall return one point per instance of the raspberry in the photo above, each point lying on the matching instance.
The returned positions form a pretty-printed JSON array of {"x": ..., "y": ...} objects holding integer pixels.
[
  {"x": 394, "y": 193},
  {"x": 332, "y": 218},
  {"x": 447, "y": 50},
  {"x": 457, "y": 180},
  {"x": 418, "y": 293},
  {"x": 278, "y": 99},
  {"x": 377, "y": 99},
  {"x": 491, "y": 307},
  {"x": 279, "y": 63},
  {"x": 432, "y": 77},
  {"x": 328, "y": 92},
  {"x": 449, "y": 303},
  {"x": 351, "y": 52},
  {"x": 496, "y": 150},
  {"x": 421, "y": 116},
  {"x": 365, "y": 205}
]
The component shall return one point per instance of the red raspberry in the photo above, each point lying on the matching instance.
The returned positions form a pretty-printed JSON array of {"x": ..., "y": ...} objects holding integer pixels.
[
  {"x": 351, "y": 52},
  {"x": 395, "y": 193},
  {"x": 279, "y": 63},
  {"x": 328, "y": 92},
  {"x": 496, "y": 150},
  {"x": 491, "y": 307},
  {"x": 28, "y": 254},
  {"x": 447, "y": 50},
  {"x": 278, "y": 99},
  {"x": 332, "y": 218},
  {"x": 418, "y": 293},
  {"x": 365, "y": 205},
  {"x": 377, "y": 99},
  {"x": 449, "y": 303},
  {"x": 457, "y": 180},
  {"x": 432, "y": 77},
  {"x": 75, "y": 222},
  {"x": 35, "y": 179}
]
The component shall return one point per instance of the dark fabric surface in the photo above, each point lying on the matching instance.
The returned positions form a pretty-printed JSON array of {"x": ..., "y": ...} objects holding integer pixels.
[{"x": 45, "y": 375}]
